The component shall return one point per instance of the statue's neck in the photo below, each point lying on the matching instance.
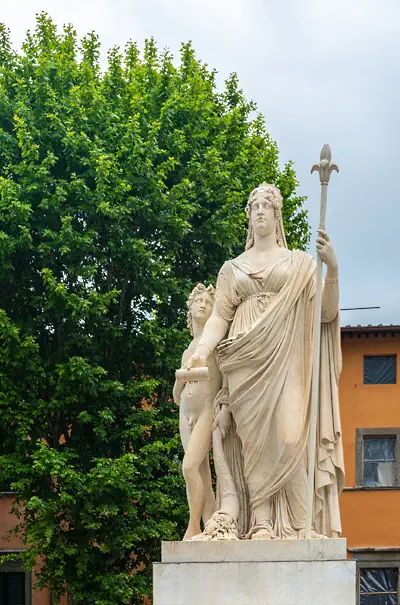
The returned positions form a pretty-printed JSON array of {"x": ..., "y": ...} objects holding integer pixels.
[
  {"x": 265, "y": 243},
  {"x": 197, "y": 330}
]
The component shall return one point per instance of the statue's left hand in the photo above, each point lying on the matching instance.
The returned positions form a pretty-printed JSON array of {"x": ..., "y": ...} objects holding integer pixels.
[
  {"x": 326, "y": 250},
  {"x": 224, "y": 420}
]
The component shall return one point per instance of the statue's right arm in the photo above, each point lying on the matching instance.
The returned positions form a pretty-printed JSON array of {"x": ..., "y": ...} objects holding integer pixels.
[{"x": 214, "y": 331}]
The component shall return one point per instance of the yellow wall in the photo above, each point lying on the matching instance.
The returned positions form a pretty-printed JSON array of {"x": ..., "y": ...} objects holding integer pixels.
[{"x": 369, "y": 517}]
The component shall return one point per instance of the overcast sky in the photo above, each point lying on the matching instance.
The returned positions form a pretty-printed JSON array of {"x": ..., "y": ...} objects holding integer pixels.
[{"x": 320, "y": 72}]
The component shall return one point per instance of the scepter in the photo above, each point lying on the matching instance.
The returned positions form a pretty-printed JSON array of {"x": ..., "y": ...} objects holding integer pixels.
[{"x": 325, "y": 168}]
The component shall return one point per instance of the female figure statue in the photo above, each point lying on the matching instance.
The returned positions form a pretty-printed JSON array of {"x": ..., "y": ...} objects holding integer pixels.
[
  {"x": 262, "y": 330},
  {"x": 196, "y": 416}
]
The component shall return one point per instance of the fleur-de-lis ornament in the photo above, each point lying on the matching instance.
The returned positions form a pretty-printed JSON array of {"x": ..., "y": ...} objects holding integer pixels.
[{"x": 325, "y": 167}]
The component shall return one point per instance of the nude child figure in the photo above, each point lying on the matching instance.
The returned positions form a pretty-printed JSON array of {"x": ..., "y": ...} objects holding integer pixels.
[{"x": 195, "y": 399}]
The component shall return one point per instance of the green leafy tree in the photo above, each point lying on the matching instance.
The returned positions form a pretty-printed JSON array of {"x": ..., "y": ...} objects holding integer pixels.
[{"x": 119, "y": 190}]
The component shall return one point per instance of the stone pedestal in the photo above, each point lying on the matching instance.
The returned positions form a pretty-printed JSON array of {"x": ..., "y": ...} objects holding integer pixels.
[{"x": 255, "y": 572}]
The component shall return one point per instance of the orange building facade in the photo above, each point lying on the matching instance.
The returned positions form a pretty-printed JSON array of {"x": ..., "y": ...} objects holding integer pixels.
[
  {"x": 16, "y": 585},
  {"x": 370, "y": 503}
]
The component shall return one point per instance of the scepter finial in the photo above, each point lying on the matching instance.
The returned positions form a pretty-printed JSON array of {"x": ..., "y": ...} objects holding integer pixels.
[
  {"x": 325, "y": 167},
  {"x": 326, "y": 153}
]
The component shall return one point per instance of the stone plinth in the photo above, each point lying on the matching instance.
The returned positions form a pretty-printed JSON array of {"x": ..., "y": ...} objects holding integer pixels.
[{"x": 258, "y": 572}]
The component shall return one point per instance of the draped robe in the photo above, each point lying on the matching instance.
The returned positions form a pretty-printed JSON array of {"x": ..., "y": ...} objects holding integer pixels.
[{"x": 266, "y": 361}]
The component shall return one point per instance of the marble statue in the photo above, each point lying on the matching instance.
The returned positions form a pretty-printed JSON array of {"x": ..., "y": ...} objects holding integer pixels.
[
  {"x": 195, "y": 399},
  {"x": 261, "y": 331}
]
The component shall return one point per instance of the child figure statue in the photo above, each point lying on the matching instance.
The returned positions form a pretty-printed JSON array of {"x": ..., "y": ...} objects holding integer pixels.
[{"x": 195, "y": 399}]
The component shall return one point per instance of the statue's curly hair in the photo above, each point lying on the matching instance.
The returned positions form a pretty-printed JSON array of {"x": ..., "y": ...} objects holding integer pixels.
[
  {"x": 199, "y": 289},
  {"x": 267, "y": 192},
  {"x": 273, "y": 196}
]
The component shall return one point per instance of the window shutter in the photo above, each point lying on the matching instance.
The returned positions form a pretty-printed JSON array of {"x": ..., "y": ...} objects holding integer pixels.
[{"x": 12, "y": 588}]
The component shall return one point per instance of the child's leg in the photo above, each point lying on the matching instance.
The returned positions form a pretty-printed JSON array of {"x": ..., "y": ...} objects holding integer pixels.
[{"x": 197, "y": 449}]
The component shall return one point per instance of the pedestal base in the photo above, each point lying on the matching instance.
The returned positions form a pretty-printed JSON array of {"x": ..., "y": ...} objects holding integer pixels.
[{"x": 278, "y": 572}]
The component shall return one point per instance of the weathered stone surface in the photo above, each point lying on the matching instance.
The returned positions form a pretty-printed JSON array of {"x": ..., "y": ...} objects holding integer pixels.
[
  {"x": 255, "y": 583},
  {"x": 254, "y": 550},
  {"x": 245, "y": 575}
]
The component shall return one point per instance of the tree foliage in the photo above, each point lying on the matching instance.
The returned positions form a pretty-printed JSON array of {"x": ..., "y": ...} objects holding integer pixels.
[{"x": 120, "y": 188}]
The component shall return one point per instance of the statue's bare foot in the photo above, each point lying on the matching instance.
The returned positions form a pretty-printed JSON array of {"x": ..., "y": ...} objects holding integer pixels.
[
  {"x": 262, "y": 531},
  {"x": 262, "y": 534}
]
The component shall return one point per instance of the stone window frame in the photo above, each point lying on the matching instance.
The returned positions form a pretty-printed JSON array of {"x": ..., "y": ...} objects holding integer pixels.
[
  {"x": 376, "y": 432},
  {"x": 17, "y": 566},
  {"x": 374, "y": 558}
]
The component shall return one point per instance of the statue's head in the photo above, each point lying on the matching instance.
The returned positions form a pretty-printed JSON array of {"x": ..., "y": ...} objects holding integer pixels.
[
  {"x": 200, "y": 305},
  {"x": 264, "y": 211}
]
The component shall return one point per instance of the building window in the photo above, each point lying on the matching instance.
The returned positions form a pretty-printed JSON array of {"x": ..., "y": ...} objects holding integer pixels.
[
  {"x": 378, "y": 586},
  {"x": 378, "y": 575},
  {"x": 378, "y": 458},
  {"x": 379, "y": 461},
  {"x": 15, "y": 584},
  {"x": 12, "y": 588},
  {"x": 380, "y": 369}
]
